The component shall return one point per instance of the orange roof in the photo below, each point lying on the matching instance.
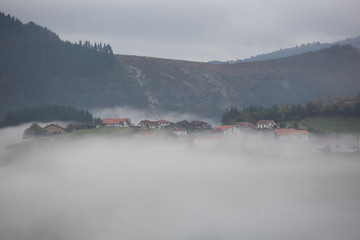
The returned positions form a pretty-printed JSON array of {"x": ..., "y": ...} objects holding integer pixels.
[
  {"x": 114, "y": 120},
  {"x": 290, "y": 131},
  {"x": 163, "y": 121},
  {"x": 224, "y": 127}
]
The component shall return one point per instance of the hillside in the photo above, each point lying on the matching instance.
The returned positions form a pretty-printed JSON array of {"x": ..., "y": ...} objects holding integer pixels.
[
  {"x": 37, "y": 67},
  {"x": 303, "y": 48},
  {"x": 208, "y": 88},
  {"x": 40, "y": 69}
]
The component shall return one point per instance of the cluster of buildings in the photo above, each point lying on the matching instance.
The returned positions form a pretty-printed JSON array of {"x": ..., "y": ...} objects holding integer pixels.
[
  {"x": 239, "y": 128},
  {"x": 160, "y": 124},
  {"x": 203, "y": 135},
  {"x": 208, "y": 134},
  {"x": 284, "y": 134}
]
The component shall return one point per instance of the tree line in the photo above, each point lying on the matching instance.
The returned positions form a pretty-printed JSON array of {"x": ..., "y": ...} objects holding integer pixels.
[
  {"x": 345, "y": 107},
  {"x": 47, "y": 114},
  {"x": 34, "y": 50}
]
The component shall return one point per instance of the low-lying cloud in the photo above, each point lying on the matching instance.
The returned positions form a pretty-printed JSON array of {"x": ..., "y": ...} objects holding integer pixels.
[{"x": 146, "y": 187}]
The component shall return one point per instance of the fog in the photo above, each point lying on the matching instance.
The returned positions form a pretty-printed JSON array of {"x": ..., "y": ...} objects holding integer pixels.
[{"x": 152, "y": 187}]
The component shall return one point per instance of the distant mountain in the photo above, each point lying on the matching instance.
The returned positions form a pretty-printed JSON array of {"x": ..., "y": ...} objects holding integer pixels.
[
  {"x": 40, "y": 69},
  {"x": 287, "y": 52}
]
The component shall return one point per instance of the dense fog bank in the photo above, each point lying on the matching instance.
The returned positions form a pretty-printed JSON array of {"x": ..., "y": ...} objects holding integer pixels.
[{"x": 144, "y": 187}]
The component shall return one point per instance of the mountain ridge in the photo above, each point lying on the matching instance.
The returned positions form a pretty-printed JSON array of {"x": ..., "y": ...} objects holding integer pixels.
[{"x": 292, "y": 51}]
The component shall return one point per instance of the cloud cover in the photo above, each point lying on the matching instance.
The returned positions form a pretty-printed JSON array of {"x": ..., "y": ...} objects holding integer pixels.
[
  {"x": 194, "y": 30},
  {"x": 107, "y": 187}
]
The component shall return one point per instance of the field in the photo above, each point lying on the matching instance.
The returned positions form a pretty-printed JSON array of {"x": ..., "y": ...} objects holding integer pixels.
[{"x": 328, "y": 124}]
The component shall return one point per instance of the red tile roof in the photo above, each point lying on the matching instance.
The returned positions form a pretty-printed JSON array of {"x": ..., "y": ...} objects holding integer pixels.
[
  {"x": 114, "y": 120},
  {"x": 290, "y": 131},
  {"x": 163, "y": 121},
  {"x": 224, "y": 127}
]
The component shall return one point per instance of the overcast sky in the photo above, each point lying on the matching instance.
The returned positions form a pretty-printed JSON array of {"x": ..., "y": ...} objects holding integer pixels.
[{"x": 198, "y": 30}]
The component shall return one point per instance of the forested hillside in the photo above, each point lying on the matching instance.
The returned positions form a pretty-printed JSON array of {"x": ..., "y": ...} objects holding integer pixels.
[
  {"x": 38, "y": 68},
  {"x": 342, "y": 107},
  {"x": 28, "y": 48},
  {"x": 46, "y": 114}
]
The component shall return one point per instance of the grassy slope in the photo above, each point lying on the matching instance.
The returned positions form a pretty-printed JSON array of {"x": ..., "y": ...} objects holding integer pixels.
[{"x": 329, "y": 124}]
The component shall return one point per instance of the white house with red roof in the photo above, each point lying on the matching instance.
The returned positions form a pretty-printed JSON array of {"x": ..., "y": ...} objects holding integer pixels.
[
  {"x": 116, "y": 122},
  {"x": 163, "y": 123},
  {"x": 266, "y": 124},
  {"x": 229, "y": 129},
  {"x": 292, "y": 135},
  {"x": 179, "y": 131}
]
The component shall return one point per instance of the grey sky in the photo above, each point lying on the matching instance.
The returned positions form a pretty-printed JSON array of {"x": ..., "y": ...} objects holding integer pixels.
[{"x": 198, "y": 30}]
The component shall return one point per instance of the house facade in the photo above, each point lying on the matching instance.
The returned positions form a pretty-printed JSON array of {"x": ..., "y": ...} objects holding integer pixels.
[
  {"x": 266, "y": 124},
  {"x": 179, "y": 131},
  {"x": 198, "y": 125},
  {"x": 54, "y": 129},
  {"x": 163, "y": 123},
  {"x": 116, "y": 122},
  {"x": 229, "y": 129},
  {"x": 155, "y": 124}
]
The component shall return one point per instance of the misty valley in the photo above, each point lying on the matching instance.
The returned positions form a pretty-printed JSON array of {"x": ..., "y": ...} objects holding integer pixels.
[
  {"x": 261, "y": 148},
  {"x": 160, "y": 186}
]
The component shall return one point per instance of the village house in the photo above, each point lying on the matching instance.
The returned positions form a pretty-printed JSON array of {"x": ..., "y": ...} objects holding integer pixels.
[
  {"x": 266, "y": 124},
  {"x": 155, "y": 124},
  {"x": 144, "y": 124},
  {"x": 116, "y": 122},
  {"x": 229, "y": 129},
  {"x": 164, "y": 123},
  {"x": 199, "y": 125},
  {"x": 292, "y": 135},
  {"x": 179, "y": 131},
  {"x": 53, "y": 129}
]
